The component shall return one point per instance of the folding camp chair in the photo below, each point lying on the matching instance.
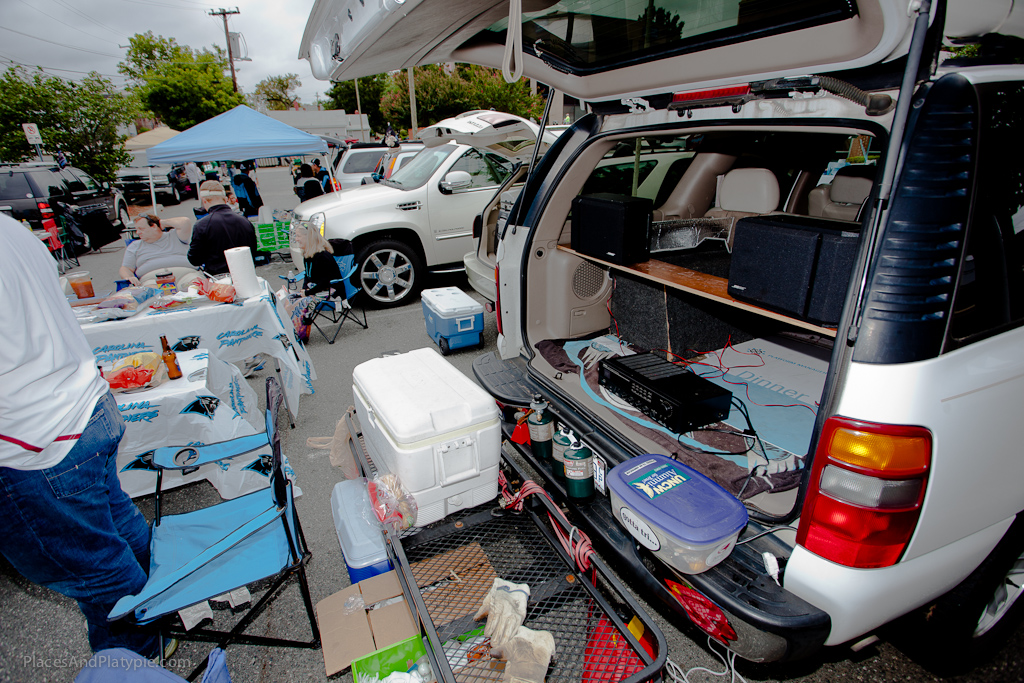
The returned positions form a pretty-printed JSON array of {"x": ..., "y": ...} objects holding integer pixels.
[
  {"x": 338, "y": 308},
  {"x": 202, "y": 554}
]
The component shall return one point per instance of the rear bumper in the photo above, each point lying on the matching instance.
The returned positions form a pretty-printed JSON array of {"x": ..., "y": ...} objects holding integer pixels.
[{"x": 763, "y": 622}]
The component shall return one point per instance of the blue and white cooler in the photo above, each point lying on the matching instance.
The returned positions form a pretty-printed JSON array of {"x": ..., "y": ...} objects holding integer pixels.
[
  {"x": 362, "y": 544},
  {"x": 454, "y": 319},
  {"x": 687, "y": 520}
]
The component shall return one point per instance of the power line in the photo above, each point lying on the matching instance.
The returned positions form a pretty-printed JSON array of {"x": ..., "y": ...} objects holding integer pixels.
[
  {"x": 54, "y": 68},
  {"x": 53, "y": 42},
  {"x": 68, "y": 7},
  {"x": 50, "y": 16}
]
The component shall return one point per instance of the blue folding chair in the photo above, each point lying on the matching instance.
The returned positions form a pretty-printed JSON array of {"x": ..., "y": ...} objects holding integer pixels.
[
  {"x": 338, "y": 308},
  {"x": 201, "y": 554}
]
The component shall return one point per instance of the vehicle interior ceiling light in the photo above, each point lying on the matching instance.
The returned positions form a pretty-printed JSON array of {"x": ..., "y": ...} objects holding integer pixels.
[{"x": 513, "y": 43}]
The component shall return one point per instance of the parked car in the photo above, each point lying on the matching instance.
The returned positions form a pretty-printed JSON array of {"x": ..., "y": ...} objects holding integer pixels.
[
  {"x": 895, "y": 495},
  {"x": 393, "y": 160},
  {"x": 30, "y": 191},
  {"x": 421, "y": 217},
  {"x": 356, "y": 162},
  {"x": 168, "y": 184}
]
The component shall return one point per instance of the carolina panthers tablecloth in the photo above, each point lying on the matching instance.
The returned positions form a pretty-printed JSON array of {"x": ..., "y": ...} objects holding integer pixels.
[
  {"x": 210, "y": 402},
  {"x": 232, "y": 332}
]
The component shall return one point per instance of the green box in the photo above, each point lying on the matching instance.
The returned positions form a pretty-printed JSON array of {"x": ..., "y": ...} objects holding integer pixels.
[
  {"x": 398, "y": 657},
  {"x": 272, "y": 236}
]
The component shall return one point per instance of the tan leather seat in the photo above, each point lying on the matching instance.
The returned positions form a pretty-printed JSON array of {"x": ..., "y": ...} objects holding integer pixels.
[
  {"x": 842, "y": 199},
  {"x": 746, "y": 192},
  {"x": 695, "y": 191}
]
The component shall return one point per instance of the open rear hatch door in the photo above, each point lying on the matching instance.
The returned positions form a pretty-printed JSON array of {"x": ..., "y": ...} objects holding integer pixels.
[{"x": 597, "y": 50}]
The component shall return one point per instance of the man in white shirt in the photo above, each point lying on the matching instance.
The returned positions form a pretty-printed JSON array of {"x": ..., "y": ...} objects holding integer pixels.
[{"x": 67, "y": 524}]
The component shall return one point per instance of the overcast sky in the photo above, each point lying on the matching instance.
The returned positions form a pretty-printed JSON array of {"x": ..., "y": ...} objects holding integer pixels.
[{"x": 69, "y": 38}]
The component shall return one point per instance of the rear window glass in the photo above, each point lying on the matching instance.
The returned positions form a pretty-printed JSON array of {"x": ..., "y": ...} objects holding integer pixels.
[
  {"x": 361, "y": 162},
  {"x": 50, "y": 184},
  {"x": 14, "y": 186},
  {"x": 584, "y": 35}
]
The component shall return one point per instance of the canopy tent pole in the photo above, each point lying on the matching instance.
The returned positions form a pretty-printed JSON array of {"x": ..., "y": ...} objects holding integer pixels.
[{"x": 152, "y": 193}]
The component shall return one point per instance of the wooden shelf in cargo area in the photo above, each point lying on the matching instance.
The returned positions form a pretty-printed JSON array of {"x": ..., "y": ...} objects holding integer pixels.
[{"x": 699, "y": 284}]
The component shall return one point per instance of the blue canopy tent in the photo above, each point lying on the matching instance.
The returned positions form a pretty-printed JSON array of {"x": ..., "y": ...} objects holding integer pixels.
[{"x": 236, "y": 135}]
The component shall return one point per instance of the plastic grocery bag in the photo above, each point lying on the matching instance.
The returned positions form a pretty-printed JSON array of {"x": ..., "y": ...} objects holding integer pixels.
[{"x": 341, "y": 453}]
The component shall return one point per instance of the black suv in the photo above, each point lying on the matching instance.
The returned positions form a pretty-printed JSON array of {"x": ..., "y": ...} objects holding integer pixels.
[{"x": 30, "y": 192}]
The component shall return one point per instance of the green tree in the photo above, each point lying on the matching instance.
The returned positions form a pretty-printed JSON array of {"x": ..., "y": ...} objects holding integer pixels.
[
  {"x": 277, "y": 91},
  {"x": 179, "y": 85},
  {"x": 146, "y": 51},
  {"x": 440, "y": 94},
  {"x": 342, "y": 95},
  {"x": 79, "y": 118}
]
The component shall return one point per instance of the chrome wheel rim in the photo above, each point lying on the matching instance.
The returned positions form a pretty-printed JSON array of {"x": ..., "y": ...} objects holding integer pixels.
[
  {"x": 387, "y": 276},
  {"x": 126, "y": 220},
  {"x": 1003, "y": 598}
]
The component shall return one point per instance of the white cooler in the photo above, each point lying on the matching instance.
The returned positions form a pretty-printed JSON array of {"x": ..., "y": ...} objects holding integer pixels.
[{"x": 431, "y": 425}]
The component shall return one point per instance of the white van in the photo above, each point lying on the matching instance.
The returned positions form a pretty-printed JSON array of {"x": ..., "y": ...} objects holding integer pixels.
[{"x": 843, "y": 255}]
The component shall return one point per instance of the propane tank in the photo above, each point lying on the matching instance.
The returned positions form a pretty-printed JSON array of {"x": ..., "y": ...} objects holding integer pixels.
[
  {"x": 579, "y": 472},
  {"x": 563, "y": 439},
  {"x": 542, "y": 428}
]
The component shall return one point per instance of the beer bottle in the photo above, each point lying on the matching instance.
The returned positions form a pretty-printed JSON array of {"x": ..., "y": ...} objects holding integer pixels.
[{"x": 171, "y": 360}]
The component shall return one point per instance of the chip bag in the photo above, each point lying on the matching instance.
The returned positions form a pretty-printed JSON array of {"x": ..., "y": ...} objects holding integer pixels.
[
  {"x": 216, "y": 292},
  {"x": 137, "y": 370}
]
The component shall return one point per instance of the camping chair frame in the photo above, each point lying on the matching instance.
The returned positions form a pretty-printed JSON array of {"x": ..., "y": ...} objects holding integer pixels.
[
  {"x": 338, "y": 308},
  {"x": 189, "y": 458}
]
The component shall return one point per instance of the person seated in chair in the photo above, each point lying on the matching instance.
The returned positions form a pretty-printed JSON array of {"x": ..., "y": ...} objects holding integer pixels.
[
  {"x": 319, "y": 269},
  {"x": 162, "y": 246}
]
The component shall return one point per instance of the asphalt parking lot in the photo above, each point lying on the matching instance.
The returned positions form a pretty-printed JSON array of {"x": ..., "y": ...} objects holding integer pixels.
[{"x": 42, "y": 634}]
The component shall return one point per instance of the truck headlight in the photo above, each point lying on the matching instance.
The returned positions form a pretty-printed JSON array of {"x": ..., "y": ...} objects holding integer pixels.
[{"x": 317, "y": 222}]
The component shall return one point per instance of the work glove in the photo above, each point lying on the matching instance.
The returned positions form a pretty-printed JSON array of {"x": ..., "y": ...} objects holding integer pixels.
[
  {"x": 505, "y": 609},
  {"x": 527, "y": 655}
]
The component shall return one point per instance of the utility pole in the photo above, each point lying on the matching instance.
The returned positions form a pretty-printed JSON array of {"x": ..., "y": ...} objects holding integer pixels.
[{"x": 223, "y": 14}]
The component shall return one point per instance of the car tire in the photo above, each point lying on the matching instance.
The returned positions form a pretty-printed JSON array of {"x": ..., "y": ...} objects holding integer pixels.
[
  {"x": 123, "y": 216},
  {"x": 174, "y": 199},
  {"x": 390, "y": 273},
  {"x": 968, "y": 624}
]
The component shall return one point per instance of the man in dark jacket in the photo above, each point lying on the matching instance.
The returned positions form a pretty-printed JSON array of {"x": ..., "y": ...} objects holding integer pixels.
[{"x": 221, "y": 229}]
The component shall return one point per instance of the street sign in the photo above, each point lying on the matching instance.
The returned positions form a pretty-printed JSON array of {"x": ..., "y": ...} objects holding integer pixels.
[{"x": 32, "y": 133}]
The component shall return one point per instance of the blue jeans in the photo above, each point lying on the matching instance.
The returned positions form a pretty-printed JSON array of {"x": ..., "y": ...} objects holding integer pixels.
[{"x": 73, "y": 529}]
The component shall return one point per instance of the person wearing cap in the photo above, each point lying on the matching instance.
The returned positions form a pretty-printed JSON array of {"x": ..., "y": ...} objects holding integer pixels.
[
  {"x": 219, "y": 230},
  {"x": 162, "y": 246}
]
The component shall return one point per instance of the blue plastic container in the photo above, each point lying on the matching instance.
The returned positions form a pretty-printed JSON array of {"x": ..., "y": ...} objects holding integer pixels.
[
  {"x": 688, "y": 521},
  {"x": 362, "y": 544},
  {"x": 454, "y": 319}
]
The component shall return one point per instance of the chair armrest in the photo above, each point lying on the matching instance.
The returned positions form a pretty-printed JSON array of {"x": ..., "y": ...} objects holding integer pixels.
[{"x": 184, "y": 457}]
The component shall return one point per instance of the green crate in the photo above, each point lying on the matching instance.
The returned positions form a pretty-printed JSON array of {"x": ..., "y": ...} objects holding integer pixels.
[
  {"x": 398, "y": 657},
  {"x": 272, "y": 236}
]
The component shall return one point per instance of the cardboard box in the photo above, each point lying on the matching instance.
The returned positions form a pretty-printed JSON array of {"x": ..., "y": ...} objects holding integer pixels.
[
  {"x": 469, "y": 577},
  {"x": 349, "y": 633}
]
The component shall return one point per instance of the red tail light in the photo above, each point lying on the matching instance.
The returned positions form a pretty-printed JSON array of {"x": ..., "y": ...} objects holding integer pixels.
[
  {"x": 497, "y": 299},
  {"x": 44, "y": 209},
  {"x": 735, "y": 94},
  {"x": 865, "y": 493}
]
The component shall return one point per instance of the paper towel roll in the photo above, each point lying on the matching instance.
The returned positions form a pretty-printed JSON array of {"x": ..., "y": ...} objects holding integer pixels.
[{"x": 243, "y": 272}]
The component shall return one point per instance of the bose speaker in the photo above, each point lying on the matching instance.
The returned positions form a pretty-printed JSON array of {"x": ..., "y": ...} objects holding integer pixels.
[
  {"x": 612, "y": 227},
  {"x": 796, "y": 265}
]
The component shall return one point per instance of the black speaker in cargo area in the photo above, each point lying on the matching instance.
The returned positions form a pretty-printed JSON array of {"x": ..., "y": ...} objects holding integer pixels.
[
  {"x": 797, "y": 265},
  {"x": 612, "y": 227}
]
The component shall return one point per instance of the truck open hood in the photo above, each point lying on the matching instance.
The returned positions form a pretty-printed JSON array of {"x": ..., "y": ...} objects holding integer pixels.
[{"x": 510, "y": 136}]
